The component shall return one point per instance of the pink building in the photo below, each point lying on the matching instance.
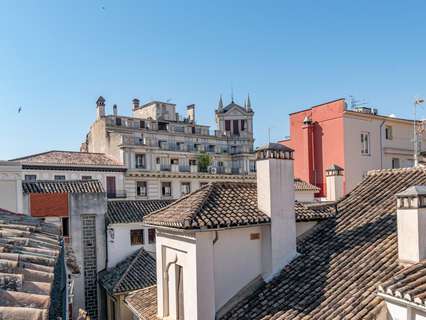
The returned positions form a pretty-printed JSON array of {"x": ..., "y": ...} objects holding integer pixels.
[{"x": 355, "y": 139}]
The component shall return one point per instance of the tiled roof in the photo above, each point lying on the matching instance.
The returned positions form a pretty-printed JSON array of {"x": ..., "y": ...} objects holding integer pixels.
[
  {"x": 29, "y": 251},
  {"x": 143, "y": 303},
  {"x": 128, "y": 211},
  {"x": 70, "y": 186},
  {"x": 301, "y": 185},
  {"x": 69, "y": 158},
  {"x": 409, "y": 284},
  {"x": 224, "y": 204},
  {"x": 313, "y": 212},
  {"x": 342, "y": 261},
  {"x": 216, "y": 205},
  {"x": 136, "y": 272}
]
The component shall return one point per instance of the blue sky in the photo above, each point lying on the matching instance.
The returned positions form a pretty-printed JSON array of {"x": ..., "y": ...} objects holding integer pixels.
[{"x": 57, "y": 57}]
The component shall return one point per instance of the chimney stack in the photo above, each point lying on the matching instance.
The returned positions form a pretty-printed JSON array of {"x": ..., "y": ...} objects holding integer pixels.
[
  {"x": 114, "y": 110},
  {"x": 275, "y": 197},
  {"x": 135, "y": 102},
  {"x": 334, "y": 182},
  {"x": 190, "y": 112},
  {"x": 411, "y": 223},
  {"x": 100, "y": 108}
]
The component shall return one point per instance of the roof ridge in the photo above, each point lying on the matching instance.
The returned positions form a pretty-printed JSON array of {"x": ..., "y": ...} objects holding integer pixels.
[
  {"x": 141, "y": 250},
  {"x": 178, "y": 200},
  {"x": 396, "y": 170},
  {"x": 203, "y": 202}
]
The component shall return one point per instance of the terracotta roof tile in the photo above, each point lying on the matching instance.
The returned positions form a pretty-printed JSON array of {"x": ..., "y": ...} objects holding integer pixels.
[
  {"x": 143, "y": 303},
  {"x": 136, "y": 272},
  {"x": 409, "y": 284},
  {"x": 128, "y": 211},
  {"x": 301, "y": 185},
  {"x": 224, "y": 204},
  {"x": 69, "y": 158},
  {"x": 53, "y": 186},
  {"x": 342, "y": 261},
  {"x": 29, "y": 252}
]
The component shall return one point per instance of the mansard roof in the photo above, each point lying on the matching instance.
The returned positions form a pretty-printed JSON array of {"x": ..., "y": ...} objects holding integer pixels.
[
  {"x": 56, "y": 157},
  {"x": 222, "y": 205},
  {"x": 130, "y": 211},
  {"x": 343, "y": 260},
  {"x": 58, "y": 186},
  {"x": 136, "y": 272},
  {"x": 29, "y": 252}
]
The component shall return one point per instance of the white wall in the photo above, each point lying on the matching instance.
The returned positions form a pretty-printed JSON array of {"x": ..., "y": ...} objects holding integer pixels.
[
  {"x": 304, "y": 196},
  {"x": 237, "y": 261},
  {"x": 401, "y": 311},
  {"x": 11, "y": 187},
  {"x": 119, "y": 244}
]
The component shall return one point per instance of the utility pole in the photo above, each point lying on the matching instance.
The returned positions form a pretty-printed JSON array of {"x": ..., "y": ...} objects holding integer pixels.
[{"x": 417, "y": 102}]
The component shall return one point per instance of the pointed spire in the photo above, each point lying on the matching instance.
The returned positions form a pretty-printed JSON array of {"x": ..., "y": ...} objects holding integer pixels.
[
  {"x": 248, "y": 105},
  {"x": 220, "y": 105}
]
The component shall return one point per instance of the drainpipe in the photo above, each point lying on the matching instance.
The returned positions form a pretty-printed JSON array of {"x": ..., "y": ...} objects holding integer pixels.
[
  {"x": 216, "y": 237},
  {"x": 381, "y": 144}
]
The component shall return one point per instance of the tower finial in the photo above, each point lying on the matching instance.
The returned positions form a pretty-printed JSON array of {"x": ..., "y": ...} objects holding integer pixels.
[
  {"x": 232, "y": 93},
  {"x": 220, "y": 105},
  {"x": 248, "y": 105}
]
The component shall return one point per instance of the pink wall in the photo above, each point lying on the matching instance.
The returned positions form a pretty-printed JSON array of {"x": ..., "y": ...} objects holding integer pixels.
[{"x": 318, "y": 147}]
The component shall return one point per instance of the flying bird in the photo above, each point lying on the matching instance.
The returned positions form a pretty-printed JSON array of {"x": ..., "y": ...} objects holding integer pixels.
[{"x": 19, "y": 109}]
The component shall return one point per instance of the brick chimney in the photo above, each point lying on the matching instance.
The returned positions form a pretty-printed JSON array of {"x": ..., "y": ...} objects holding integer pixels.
[
  {"x": 275, "y": 197},
  {"x": 100, "y": 108},
  {"x": 190, "y": 112},
  {"x": 411, "y": 222},
  {"x": 334, "y": 182}
]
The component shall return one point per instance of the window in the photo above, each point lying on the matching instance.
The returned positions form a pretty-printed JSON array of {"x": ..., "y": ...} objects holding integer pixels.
[
  {"x": 136, "y": 237},
  {"x": 388, "y": 133},
  {"x": 395, "y": 163},
  {"x": 157, "y": 160},
  {"x": 174, "y": 161},
  {"x": 141, "y": 189},
  {"x": 166, "y": 189},
  {"x": 65, "y": 227},
  {"x": 140, "y": 161},
  {"x": 185, "y": 188},
  {"x": 30, "y": 177},
  {"x": 142, "y": 124},
  {"x": 162, "y": 126},
  {"x": 236, "y": 129},
  {"x": 243, "y": 125},
  {"x": 192, "y": 162},
  {"x": 86, "y": 177},
  {"x": 227, "y": 125},
  {"x": 193, "y": 130},
  {"x": 59, "y": 178},
  {"x": 118, "y": 121},
  {"x": 151, "y": 236},
  {"x": 365, "y": 143}
]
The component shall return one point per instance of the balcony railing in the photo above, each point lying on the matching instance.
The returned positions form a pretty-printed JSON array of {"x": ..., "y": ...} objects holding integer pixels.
[
  {"x": 184, "y": 168},
  {"x": 165, "y": 167}
]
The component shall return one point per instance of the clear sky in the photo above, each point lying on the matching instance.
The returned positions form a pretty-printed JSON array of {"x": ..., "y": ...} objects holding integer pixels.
[{"x": 57, "y": 57}]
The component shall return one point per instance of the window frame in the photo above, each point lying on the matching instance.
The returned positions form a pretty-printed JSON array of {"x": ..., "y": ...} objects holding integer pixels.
[
  {"x": 139, "y": 188},
  {"x": 365, "y": 143},
  {"x": 164, "y": 184},
  {"x": 137, "y": 234},
  {"x": 151, "y": 236}
]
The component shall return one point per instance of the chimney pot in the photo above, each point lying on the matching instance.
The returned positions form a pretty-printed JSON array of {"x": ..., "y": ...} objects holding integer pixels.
[
  {"x": 411, "y": 223},
  {"x": 136, "y": 103},
  {"x": 334, "y": 182}
]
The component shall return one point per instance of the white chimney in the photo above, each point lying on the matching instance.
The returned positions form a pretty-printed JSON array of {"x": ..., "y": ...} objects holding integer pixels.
[
  {"x": 190, "y": 112},
  {"x": 411, "y": 223},
  {"x": 115, "y": 110},
  {"x": 334, "y": 182},
  {"x": 275, "y": 197},
  {"x": 100, "y": 108}
]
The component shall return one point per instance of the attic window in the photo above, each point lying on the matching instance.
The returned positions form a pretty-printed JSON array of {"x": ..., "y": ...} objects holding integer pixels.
[{"x": 136, "y": 237}]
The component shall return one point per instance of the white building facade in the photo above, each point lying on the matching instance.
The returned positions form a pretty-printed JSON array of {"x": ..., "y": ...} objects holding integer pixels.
[{"x": 161, "y": 150}]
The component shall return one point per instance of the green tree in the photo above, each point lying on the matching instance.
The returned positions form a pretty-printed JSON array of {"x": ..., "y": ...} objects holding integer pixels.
[{"x": 203, "y": 160}]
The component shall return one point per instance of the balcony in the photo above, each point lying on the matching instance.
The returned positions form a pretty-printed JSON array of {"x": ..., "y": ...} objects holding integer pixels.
[
  {"x": 165, "y": 167},
  {"x": 184, "y": 168}
]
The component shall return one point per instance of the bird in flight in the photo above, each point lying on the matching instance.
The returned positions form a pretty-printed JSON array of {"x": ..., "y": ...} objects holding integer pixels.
[{"x": 19, "y": 109}]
